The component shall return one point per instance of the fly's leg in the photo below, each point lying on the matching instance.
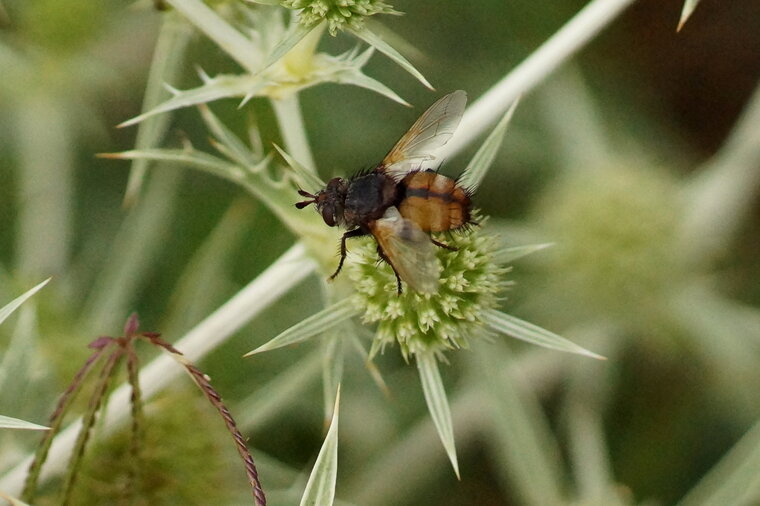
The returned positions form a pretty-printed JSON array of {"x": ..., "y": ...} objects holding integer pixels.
[
  {"x": 357, "y": 232},
  {"x": 442, "y": 245},
  {"x": 385, "y": 258}
]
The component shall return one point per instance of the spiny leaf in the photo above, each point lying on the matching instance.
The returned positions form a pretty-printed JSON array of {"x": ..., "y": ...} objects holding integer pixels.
[
  {"x": 196, "y": 159},
  {"x": 478, "y": 167},
  {"x": 6, "y": 422},
  {"x": 686, "y": 12},
  {"x": 357, "y": 78},
  {"x": 507, "y": 255},
  {"x": 320, "y": 489},
  {"x": 375, "y": 41},
  {"x": 311, "y": 326},
  {"x": 222, "y": 86},
  {"x": 237, "y": 150},
  {"x": 332, "y": 365},
  {"x": 9, "y": 308},
  {"x": 534, "y": 334},
  {"x": 438, "y": 404},
  {"x": 305, "y": 176}
]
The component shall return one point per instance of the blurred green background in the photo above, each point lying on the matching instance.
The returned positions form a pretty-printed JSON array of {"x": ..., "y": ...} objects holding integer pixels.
[{"x": 595, "y": 160}]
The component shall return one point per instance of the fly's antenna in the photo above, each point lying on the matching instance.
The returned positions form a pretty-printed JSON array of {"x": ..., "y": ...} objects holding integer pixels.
[{"x": 301, "y": 205}]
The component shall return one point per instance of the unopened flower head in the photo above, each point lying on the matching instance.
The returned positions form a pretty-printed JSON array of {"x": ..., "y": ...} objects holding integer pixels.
[
  {"x": 470, "y": 283},
  {"x": 339, "y": 14},
  {"x": 616, "y": 237}
]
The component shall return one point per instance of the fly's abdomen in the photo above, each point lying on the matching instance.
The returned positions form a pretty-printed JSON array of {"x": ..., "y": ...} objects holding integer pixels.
[{"x": 434, "y": 202}]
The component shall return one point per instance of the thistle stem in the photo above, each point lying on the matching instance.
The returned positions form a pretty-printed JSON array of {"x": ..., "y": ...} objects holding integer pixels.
[
  {"x": 535, "y": 68},
  {"x": 231, "y": 41}
]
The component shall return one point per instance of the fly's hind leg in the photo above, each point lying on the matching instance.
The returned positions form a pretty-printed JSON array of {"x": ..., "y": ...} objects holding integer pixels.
[
  {"x": 385, "y": 258},
  {"x": 442, "y": 245},
  {"x": 357, "y": 232}
]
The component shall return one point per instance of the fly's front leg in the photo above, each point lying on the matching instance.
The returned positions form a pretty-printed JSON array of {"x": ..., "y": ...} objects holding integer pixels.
[{"x": 357, "y": 232}]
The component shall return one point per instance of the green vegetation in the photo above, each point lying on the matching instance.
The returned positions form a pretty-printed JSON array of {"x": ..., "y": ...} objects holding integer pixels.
[{"x": 615, "y": 162}]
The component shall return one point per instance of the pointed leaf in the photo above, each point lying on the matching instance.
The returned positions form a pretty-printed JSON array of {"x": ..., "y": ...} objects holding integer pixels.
[
  {"x": 303, "y": 175},
  {"x": 520, "y": 329},
  {"x": 686, "y": 12},
  {"x": 9, "y": 308},
  {"x": 507, "y": 255},
  {"x": 238, "y": 151},
  {"x": 6, "y": 422},
  {"x": 438, "y": 404},
  {"x": 222, "y": 86},
  {"x": 357, "y": 78},
  {"x": 375, "y": 41},
  {"x": 332, "y": 364},
  {"x": 478, "y": 167},
  {"x": 320, "y": 489},
  {"x": 195, "y": 159},
  {"x": 311, "y": 326}
]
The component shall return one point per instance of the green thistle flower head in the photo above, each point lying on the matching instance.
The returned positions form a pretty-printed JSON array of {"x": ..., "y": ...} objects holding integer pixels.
[
  {"x": 616, "y": 232},
  {"x": 470, "y": 283},
  {"x": 340, "y": 14}
]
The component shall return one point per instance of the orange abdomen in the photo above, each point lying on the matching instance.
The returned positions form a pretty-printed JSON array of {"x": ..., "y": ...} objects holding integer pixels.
[{"x": 434, "y": 202}]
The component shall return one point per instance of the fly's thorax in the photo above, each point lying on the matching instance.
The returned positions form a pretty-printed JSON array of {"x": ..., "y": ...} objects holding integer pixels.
[
  {"x": 434, "y": 202},
  {"x": 368, "y": 197}
]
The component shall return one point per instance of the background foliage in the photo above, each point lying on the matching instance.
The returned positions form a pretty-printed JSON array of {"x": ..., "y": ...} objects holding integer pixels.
[{"x": 596, "y": 160}]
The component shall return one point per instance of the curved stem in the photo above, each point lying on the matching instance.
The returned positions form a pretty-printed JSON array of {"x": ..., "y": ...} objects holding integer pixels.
[{"x": 534, "y": 69}]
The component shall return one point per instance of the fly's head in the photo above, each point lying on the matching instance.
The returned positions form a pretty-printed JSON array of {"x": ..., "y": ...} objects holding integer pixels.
[{"x": 330, "y": 201}]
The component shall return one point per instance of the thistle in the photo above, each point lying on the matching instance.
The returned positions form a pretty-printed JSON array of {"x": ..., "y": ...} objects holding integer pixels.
[
  {"x": 618, "y": 235},
  {"x": 427, "y": 324},
  {"x": 339, "y": 14},
  {"x": 470, "y": 284}
]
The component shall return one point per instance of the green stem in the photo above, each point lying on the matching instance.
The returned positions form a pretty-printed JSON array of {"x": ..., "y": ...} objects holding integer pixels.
[{"x": 231, "y": 41}]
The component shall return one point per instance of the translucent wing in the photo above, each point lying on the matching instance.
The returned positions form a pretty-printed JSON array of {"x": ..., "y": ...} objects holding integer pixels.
[
  {"x": 432, "y": 130},
  {"x": 409, "y": 250}
]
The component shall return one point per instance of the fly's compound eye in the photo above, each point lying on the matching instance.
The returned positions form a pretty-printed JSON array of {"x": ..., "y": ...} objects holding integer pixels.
[{"x": 328, "y": 214}]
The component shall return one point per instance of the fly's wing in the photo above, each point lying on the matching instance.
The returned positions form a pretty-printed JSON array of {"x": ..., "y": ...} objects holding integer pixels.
[
  {"x": 409, "y": 250},
  {"x": 431, "y": 131}
]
